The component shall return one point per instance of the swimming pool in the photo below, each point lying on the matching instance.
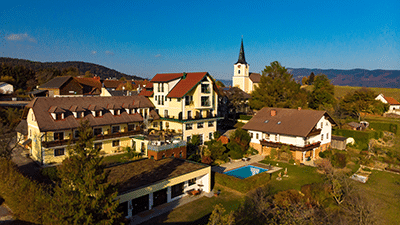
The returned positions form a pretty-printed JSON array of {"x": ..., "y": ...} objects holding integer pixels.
[{"x": 246, "y": 171}]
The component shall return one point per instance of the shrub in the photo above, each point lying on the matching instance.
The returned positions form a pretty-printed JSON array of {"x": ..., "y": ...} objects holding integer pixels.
[
  {"x": 28, "y": 200},
  {"x": 339, "y": 160},
  {"x": 322, "y": 155},
  {"x": 245, "y": 117},
  {"x": 235, "y": 154},
  {"x": 195, "y": 158},
  {"x": 51, "y": 173},
  {"x": 273, "y": 153},
  {"x": 291, "y": 161}
]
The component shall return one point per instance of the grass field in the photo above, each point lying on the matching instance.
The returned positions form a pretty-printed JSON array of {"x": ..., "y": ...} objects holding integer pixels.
[
  {"x": 341, "y": 91},
  {"x": 383, "y": 190}
]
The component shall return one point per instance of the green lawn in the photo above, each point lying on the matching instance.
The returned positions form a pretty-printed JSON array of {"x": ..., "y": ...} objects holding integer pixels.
[
  {"x": 298, "y": 176},
  {"x": 198, "y": 211},
  {"x": 383, "y": 189}
]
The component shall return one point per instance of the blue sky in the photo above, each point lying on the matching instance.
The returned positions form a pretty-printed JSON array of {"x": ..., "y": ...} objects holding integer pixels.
[{"x": 148, "y": 37}]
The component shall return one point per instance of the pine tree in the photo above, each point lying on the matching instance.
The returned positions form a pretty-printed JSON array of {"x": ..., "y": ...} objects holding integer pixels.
[{"x": 83, "y": 196}]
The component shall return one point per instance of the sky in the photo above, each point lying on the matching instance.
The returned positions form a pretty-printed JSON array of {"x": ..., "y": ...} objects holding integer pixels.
[{"x": 147, "y": 37}]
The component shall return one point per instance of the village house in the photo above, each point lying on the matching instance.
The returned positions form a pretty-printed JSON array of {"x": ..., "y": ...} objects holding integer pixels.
[
  {"x": 186, "y": 102},
  {"x": 307, "y": 132},
  {"x": 52, "y": 123},
  {"x": 394, "y": 105}
]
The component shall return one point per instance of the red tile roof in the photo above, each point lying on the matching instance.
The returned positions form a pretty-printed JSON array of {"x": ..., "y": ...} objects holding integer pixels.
[
  {"x": 392, "y": 101},
  {"x": 146, "y": 93},
  {"x": 187, "y": 84},
  {"x": 165, "y": 77}
]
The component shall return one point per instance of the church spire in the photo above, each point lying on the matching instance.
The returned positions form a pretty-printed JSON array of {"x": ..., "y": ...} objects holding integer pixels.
[{"x": 241, "y": 59}]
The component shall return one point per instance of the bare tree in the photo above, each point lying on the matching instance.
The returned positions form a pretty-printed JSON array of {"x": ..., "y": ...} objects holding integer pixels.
[{"x": 7, "y": 135}]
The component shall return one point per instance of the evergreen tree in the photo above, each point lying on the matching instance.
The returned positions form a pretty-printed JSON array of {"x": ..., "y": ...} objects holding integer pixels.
[
  {"x": 323, "y": 93},
  {"x": 311, "y": 78},
  {"x": 83, "y": 196},
  {"x": 277, "y": 88}
]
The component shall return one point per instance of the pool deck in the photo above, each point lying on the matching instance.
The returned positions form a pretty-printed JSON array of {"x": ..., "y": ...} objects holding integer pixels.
[{"x": 254, "y": 161}]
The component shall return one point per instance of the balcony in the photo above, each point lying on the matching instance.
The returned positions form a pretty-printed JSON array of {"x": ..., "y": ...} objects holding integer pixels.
[
  {"x": 308, "y": 147},
  {"x": 49, "y": 144},
  {"x": 158, "y": 146},
  {"x": 191, "y": 118}
]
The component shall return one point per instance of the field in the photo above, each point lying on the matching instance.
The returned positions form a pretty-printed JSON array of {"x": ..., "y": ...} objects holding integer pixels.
[{"x": 341, "y": 91}]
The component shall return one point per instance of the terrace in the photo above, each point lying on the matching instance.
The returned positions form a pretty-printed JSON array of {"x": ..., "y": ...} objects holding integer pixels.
[{"x": 292, "y": 147}]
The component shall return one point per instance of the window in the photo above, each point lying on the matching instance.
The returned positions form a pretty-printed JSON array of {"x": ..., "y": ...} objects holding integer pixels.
[
  {"x": 189, "y": 115},
  {"x": 131, "y": 127},
  {"x": 189, "y": 126},
  {"x": 166, "y": 99},
  {"x": 115, "y": 129},
  {"x": 238, "y": 71},
  {"x": 58, "y": 116},
  {"x": 210, "y": 135},
  {"x": 98, "y": 146},
  {"x": 97, "y": 131},
  {"x": 59, "y": 151},
  {"x": 162, "y": 100},
  {"x": 173, "y": 155},
  {"x": 210, "y": 123},
  {"x": 327, "y": 135},
  {"x": 177, "y": 190},
  {"x": 162, "y": 87},
  {"x": 165, "y": 113},
  {"x": 163, "y": 155},
  {"x": 158, "y": 87},
  {"x": 115, "y": 143},
  {"x": 200, "y": 125},
  {"x": 322, "y": 137},
  {"x": 155, "y": 98},
  {"x": 205, "y": 88},
  {"x": 326, "y": 123},
  {"x": 257, "y": 136},
  {"x": 322, "y": 124},
  {"x": 188, "y": 100},
  {"x": 192, "y": 181},
  {"x": 188, "y": 139},
  {"x": 180, "y": 154},
  {"x": 251, "y": 135},
  {"x": 58, "y": 136},
  {"x": 205, "y": 101},
  {"x": 98, "y": 113},
  {"x": 155, "y": 124},
  {"x": 76, "y": 134}
]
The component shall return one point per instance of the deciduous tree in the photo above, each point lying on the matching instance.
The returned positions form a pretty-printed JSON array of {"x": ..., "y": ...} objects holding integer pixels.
[{"x": 277, "y": 88}]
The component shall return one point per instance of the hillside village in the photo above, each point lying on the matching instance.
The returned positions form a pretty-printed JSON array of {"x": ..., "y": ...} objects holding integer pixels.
[{"x": 181, "y": 147}]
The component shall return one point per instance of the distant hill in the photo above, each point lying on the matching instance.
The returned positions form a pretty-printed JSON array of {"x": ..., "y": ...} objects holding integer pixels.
[
  {"x": 101, "y": 71},
  {"x": 354, "y": 77}
]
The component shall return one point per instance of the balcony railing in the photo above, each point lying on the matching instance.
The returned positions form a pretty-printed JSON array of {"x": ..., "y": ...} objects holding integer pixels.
[
  {"x": 49, "y": 144},
  {"x": 165, "y": 146},
  {"x": 292, "y": 147},
  {"x": 197, "y": 117}
]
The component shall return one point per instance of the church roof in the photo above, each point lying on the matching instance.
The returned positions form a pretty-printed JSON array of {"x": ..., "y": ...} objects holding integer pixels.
[
  {"x": 241, "y": 59},
  {"x": 255, "y": 77}
]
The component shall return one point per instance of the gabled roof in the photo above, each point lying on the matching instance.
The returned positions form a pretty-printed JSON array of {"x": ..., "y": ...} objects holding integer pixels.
[
  {"x": 46, "y": 122},
  {"x": 255, "y": 77},
  {"x": 392, "y": 101},
  {"x": 56, "y": 82},
  {"x": 112, "y": 83},
  {"x": 186, "y": 84},
  {"x": 89, "y": 81},
  {"x": 291, "y": 122}
]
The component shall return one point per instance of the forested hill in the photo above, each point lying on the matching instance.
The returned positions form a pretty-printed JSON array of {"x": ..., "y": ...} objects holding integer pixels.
[
  {"x": 98, "y": 70},
  {"x": 355, "y": 77}
]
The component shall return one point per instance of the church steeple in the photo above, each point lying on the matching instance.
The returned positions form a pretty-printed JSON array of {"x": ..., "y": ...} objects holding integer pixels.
[{"x": 241, "y": 59}]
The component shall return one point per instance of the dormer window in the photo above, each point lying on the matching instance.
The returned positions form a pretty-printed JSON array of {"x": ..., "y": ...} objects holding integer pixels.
[
  {"x": 59, "y": 116},
  {"x": 97, "y": 113},
  {"x": 57, "y": 113}
]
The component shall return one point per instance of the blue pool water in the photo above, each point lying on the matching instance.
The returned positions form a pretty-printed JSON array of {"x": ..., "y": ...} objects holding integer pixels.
[{"x": 246, "y": 171}]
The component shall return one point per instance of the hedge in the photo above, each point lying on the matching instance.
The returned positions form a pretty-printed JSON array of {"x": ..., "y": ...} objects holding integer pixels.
[
  {"x": 242, "y": 185},
  {"x": 245, "y": 117},
  {"x": 28, "y": 199},
  {"x": 361, "y": 137},
  {"x": 380, "y": 126}
]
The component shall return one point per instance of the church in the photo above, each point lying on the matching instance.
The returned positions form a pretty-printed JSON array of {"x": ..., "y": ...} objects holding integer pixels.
[{"x": 242, "y": 78}]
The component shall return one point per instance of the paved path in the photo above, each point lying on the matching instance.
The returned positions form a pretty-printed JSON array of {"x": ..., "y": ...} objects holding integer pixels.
[{"x": 159, "y": 210}]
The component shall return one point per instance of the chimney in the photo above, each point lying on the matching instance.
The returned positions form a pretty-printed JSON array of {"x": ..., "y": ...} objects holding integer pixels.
[
  {"x": 273, "y": 112},
  {"x": 299, "y": 108}
]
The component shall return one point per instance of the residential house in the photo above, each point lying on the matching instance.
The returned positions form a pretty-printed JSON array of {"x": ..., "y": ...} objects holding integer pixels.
[
  {"x": 394, "y": 105},
  {"x": 232, "y": 102},
  {"x": 242, "y": 78},
  {"x": 52, "y": 123},
  {"x": 145, "y": 184},
  {"x": 68, "y": 86},
  {"x": 186, "y": 102},
  {"x": 6, "y": 88},
  {"x": 307, "y": 132}
]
